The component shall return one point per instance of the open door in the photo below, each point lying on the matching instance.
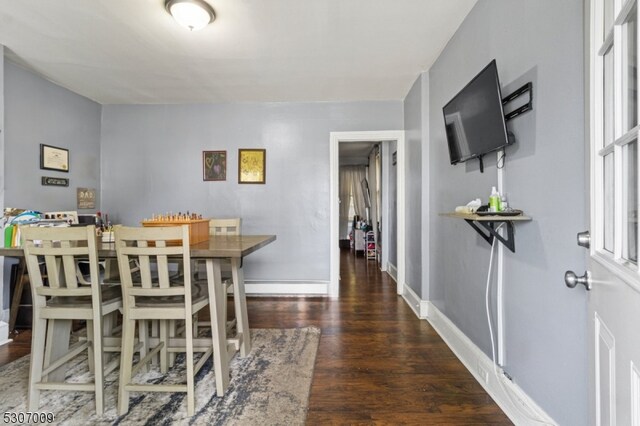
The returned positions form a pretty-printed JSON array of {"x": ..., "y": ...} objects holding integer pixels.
[{"x": 613, "y": 277}]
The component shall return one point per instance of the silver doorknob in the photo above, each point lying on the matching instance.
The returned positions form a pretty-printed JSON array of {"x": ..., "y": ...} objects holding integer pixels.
[
  {"x": 584, "y": 239},
  {"x": 572, "y": 280}
]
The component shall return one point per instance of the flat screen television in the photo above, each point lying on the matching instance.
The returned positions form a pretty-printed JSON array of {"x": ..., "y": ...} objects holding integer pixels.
[{"x": 474, "y": 118}]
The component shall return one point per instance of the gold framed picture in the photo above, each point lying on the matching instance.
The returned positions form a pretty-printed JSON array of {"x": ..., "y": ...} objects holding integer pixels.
[
  {"x": 214, "y": 165},
  {"x": 252, "y": 165}
]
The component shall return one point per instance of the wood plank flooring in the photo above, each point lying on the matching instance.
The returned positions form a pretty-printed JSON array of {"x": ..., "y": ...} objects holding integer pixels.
[{"x": 377, "y": 362}]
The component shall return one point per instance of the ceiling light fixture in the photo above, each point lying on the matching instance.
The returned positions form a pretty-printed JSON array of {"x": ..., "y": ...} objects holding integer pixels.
[{"x": 193, "y": 14}]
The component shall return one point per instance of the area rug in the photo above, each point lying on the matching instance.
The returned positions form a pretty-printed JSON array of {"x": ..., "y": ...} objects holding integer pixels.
[{"x": 270, "y": 386}]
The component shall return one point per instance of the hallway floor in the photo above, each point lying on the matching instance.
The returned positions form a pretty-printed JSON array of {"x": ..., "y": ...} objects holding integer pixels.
[{"x": 377, "y": 362}]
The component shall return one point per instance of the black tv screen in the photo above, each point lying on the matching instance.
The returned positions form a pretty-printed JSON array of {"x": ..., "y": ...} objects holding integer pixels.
[{"x": 474, "y": 118}]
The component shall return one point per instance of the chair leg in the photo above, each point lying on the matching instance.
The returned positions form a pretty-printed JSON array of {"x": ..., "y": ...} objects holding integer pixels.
[
  {"x": 96, "y": 353},
  {"x": 240, "y": 304},
  {"x": 189, "y": 361},
  {"x": 50, "y": 327},
  {"x": 37, "y": 359},
  {"x": 126, "y": 361},
  {"x": 164, "y": 337},
  {"x": 172, "y": 333},
  {"x": 155, "y": 332},
  {"x": 225, "y": 308},
  {"x": 143, "y": 338},
  {"x": 91, "y": 338}
]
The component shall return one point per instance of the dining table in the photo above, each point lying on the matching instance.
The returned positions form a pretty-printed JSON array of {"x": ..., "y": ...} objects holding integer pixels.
[{"x": 212, "y": 251}]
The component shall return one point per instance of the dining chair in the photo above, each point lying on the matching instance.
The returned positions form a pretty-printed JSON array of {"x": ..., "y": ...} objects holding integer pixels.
[
  {"x": 57, "y": 300},
  {"x": 225, "y": 226},
  {"x": 151, "y": 295}
]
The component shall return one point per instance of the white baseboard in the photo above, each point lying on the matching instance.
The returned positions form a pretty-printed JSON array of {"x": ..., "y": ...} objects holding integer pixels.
[
  {"x": 287, "y": 288},
  {"x": 4, "y": 333},
  {"x": 412, "y": 299},
  {"x": 515, "y": 403},
  {"x": 424, "y": 309},
  {"x": 392, "y": 271}
]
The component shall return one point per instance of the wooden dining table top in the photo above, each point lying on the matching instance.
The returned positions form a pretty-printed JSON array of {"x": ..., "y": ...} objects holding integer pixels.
[{"x": 218, "y": 246}]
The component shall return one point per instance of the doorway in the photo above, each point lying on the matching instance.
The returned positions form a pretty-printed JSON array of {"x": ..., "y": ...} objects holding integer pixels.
[
  {"x": 360, "y": 197},
  {"x": 384, "y": 139}
]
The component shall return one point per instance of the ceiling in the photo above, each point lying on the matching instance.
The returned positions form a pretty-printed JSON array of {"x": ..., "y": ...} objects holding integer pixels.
[
  {"x": 354, "y": 153},
  {"x": 133, "y": 52}
]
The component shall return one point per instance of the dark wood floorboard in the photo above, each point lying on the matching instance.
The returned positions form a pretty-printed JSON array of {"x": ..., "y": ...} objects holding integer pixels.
[{"x": 377, "y": 362}]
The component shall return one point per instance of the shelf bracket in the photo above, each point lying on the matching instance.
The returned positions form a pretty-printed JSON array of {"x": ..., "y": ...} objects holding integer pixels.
[{"x": 490, "y": 227}]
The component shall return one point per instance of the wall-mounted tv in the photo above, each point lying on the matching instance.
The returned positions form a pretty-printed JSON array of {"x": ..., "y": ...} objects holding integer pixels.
[{"x": 474, "y": 118}]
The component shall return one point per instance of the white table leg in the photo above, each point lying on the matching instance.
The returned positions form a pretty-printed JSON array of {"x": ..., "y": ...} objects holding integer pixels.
[
  {"x": 218, "y": 325},
  {"x": 240, "y": 303}
]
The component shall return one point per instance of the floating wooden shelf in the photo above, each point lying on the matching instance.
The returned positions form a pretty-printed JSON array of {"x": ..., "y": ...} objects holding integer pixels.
[{"x": 488, "y": 223}]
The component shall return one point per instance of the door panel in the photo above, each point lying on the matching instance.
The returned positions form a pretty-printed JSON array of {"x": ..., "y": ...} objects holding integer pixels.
[
  {"x": 614, "y": 312},
  {"x": 612, "y": 49}
]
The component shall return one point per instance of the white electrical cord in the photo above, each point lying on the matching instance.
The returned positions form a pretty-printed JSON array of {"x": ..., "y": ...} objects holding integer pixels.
[{"x": 493, "y": 346}]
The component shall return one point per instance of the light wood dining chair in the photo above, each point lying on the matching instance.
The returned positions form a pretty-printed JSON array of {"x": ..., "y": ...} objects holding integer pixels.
[
  {"x": 153, "y": 296},
  {"x": 63, "y": 300},
  {"x": 225, "y": 226}
]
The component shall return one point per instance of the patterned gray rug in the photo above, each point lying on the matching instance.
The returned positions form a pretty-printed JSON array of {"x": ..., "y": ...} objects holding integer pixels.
[{"x": 269, "y": 387}]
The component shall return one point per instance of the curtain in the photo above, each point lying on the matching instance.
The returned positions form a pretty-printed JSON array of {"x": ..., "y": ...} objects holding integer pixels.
[{"x": 350, "y": 178}]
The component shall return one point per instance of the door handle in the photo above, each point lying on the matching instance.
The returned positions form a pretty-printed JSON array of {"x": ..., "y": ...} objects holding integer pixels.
[
  {"x": 584, "y": 239},
  {"x": 572, "y": 280}
]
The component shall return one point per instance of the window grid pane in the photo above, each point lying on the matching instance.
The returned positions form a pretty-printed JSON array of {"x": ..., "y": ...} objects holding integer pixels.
[
  {"x": 608, "y": 204},
  {"x": 631, "y": 163},
  {"x": 608, "y": 98},
  {"x": 630, "y": 65},
  {"x": 608, "y": 15}
]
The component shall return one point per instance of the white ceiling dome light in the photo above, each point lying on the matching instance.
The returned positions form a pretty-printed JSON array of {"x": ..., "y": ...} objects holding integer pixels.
[{"x": 192, "y": 14}]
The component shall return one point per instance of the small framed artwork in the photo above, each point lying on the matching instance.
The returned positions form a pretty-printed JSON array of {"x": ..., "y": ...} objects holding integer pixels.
[
  {"x": 86, "y": 198},
  {"x": 214, "y": 165},
  {"x": 252, "y": 165},
  {"x": 54, "y": 158}
]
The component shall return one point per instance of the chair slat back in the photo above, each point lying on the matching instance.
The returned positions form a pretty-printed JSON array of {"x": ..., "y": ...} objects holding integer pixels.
[
  {"x": 61, "y": 248},
  {"x": 225, "y": 226},
  {"x": 152, "y": 247}
]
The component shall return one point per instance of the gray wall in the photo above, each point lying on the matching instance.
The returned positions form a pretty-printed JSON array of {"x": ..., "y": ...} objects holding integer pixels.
[
  {"x": 546, "y": 338},
  {"x": 37, "y": 111},
  {"x": 413, "y": 186},
  {"x": 152, "y": 163}
]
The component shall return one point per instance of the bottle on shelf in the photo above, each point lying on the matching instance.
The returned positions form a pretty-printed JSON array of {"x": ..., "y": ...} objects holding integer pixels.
[
  {"x": 504, "y": 205},
  {"x": 494, "y": 200}
]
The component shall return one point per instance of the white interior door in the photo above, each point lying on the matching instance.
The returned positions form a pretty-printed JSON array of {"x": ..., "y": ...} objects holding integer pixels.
[{"x": 614, "y": 300}]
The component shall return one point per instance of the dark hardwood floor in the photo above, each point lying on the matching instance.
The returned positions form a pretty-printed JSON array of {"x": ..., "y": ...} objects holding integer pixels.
[{"x": 377, "y": 362}]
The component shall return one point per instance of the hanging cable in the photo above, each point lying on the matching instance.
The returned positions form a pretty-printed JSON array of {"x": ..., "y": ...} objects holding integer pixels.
[
  {"x": 497, "y": 373},
  {"x": 500, "y": 162}
]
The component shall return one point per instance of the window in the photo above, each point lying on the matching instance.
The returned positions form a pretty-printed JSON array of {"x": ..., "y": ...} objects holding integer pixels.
[{"x": 614, "y": 86}]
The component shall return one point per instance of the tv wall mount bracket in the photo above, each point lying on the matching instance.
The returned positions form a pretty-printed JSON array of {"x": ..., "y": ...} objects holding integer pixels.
[{"x": 526, "y": 88}]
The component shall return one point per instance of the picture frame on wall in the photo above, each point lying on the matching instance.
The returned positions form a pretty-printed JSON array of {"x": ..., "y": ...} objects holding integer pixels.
[
  {"x": 214, "y": 165},
  {"x": 252, "y": 166},
  {"x": 54, "y": 158}
]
